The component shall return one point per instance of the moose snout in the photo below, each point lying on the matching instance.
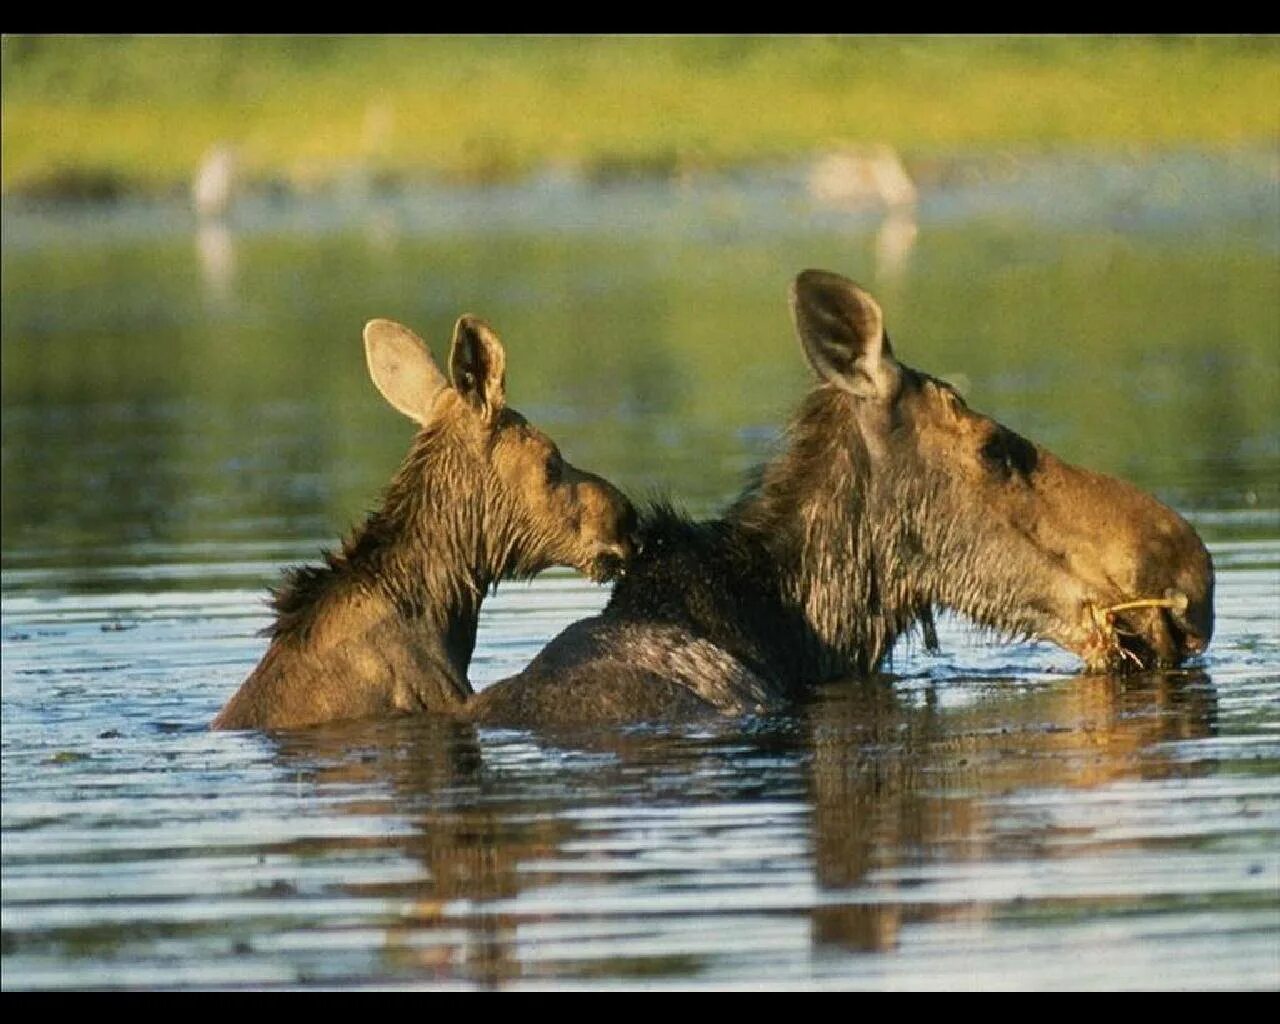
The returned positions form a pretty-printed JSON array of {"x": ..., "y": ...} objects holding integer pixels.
[
  {"x": 1189, "y": 621},
  {"x": 1158, "y": 632},
  {"x": 1186, "y": 620},
  {"x": 1193, "y": 626},
  {"x": 1170, "y": 617},
  {"x": 1147, "y": 595},
  {"x": 609, "y": 561},
  {"x": 610, "y": 528}
]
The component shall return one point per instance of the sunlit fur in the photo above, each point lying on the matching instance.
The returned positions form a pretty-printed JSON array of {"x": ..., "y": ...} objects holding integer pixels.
[
  {"x": 447, "y": 529},
  {"x": 388, "y": 624},
  {"x": 888, "y": 497}
]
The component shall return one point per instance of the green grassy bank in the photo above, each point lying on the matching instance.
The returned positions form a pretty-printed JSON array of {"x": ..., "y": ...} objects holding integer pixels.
[{"x": 114, "y": 114}]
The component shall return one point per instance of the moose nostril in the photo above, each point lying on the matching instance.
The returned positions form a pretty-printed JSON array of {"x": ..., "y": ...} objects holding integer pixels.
[
  {"x": 1186, "y": 639},
  {"x": 608, "y": 566},
  {"x": 1191, "y": 624},
  {"x": 1186, "y": 636}
]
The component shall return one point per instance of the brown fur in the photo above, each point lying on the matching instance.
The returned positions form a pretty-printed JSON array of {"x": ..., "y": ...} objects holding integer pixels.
[
  {"x": 387, "y": 625},
  {"x": 889, "y": 498}
]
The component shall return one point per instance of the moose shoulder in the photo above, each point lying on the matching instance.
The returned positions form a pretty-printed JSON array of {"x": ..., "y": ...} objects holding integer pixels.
[
  {"x": 389, "y": 624},
  {"x": 890, "y": 497}
]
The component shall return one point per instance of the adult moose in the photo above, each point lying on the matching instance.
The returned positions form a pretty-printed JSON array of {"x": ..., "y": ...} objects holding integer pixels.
[
  {"x": 389, "y": 624},
  {"x": 890, "y": 497}
]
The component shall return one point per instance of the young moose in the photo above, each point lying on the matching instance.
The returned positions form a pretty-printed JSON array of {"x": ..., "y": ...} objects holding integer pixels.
[
  {"x": 389, "y": 624},
  {"x": 891, "y": 496}
]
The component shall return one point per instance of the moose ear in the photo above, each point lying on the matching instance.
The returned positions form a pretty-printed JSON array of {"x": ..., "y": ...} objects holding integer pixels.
[
  {"x": 842, "y": 331},
  {"x": 478, "y": 365},
  {"x": 402, "y": 368}
]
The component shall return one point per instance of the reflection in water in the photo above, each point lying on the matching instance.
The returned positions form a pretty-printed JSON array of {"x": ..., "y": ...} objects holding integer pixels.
[
  {"x": 662, "y": 358},
  {"x": 895, "y": 239},
  {"x": 163, "y": 460},
  {"x": 896, "y": 787},
  {"x": 470, "y": 850},
  {"x": 872, "y": 178},
  {"x": 381, "y": 232},
  {"x": 512, "y": 836},
  {"x": 214, "y": 190},
  {"x": 215, "y": 251}
]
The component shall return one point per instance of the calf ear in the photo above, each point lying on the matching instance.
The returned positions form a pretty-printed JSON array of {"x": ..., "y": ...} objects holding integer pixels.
[
  {"x": 478, "y": 365},
  {"x": 402, "y": 368},
  {"x": 842, "y": 331}
]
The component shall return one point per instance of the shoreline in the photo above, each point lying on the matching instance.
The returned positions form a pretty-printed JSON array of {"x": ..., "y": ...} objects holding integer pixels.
[
  {"x": 101, "y": 117},
  {"x": 930, "y": 172}
]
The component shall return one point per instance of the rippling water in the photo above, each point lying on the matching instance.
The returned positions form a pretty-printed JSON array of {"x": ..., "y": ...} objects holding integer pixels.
[{"x": 981, "y": 818}]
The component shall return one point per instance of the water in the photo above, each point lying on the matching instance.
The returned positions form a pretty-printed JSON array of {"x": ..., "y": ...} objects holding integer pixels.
[{"x": 186, "y": 412}]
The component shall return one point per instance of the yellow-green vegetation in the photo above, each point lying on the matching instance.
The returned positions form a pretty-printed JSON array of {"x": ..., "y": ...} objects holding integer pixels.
[{"x": 116, "y": 113}]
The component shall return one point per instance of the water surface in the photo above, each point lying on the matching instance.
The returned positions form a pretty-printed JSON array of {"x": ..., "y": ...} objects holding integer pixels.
[{"x": 186, "y": 411}]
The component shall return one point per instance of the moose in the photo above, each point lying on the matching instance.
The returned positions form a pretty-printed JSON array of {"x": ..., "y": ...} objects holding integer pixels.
[
  {"x": 889, "y": 498},
  {"x": 388, "y": 624}
]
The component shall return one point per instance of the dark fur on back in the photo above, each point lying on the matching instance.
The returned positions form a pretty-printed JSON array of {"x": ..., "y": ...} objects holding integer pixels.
[
  {"x": 785, "y": 591},
  {"x": 793, "y": 579},
  {"x": 680, "y": 579},
  {"x": 889, "y": 497}
]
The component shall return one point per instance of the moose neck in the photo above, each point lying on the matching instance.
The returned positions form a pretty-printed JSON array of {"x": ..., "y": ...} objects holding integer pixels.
[
  {"x": 812, "y": 508},
  {"x": 423, "y": 560}
]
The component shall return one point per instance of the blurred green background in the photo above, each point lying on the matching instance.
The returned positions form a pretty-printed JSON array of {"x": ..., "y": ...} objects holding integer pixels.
[
  {"x": 109, "y": 114},
  {"x": 1092, "y": 251}
]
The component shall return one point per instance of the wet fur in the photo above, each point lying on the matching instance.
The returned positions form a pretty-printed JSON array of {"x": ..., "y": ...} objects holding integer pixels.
[
  {"x": 743, "y": 612},
  {"x": 388, "y": 623},
  {"x": 889, "y": 497}
]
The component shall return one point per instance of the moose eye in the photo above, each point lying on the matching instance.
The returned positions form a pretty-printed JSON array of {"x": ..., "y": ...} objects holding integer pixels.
[{"x": 1006, "y": 454}]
